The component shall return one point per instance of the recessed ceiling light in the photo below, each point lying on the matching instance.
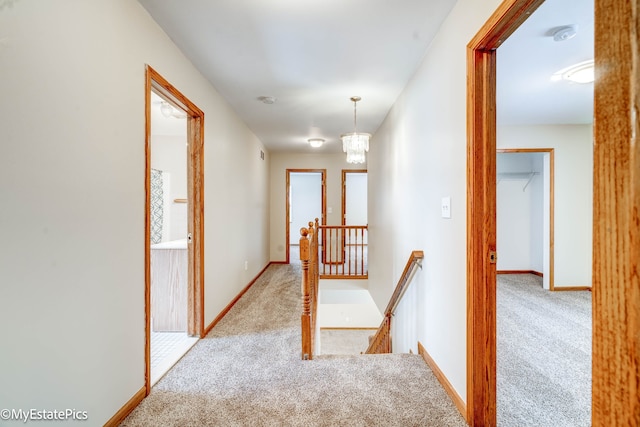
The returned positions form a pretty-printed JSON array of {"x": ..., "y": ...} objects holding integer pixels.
[
  {"x": 267, "y": 99},
  {"x": 316, "y": 142},
  {"x": 581, "y": 73}
]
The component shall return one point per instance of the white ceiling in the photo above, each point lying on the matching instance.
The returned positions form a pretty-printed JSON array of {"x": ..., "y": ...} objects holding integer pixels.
[
  {"x": 314, "y": 55},
  {"x": 527, "y": 59}
]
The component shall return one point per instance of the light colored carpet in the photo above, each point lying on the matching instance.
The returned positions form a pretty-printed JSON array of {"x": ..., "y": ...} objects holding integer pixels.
[
  {"x": 248, "y": 371},
  {"x": 544, "y": 354},
  {"x": 345, "y": 341}
]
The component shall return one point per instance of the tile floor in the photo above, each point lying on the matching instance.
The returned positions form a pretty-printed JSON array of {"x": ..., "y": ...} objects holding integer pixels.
[{"x": 166, "y": 349}]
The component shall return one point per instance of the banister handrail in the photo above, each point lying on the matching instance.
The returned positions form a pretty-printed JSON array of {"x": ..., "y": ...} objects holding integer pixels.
[
  {"x": 401, "y": 287},
  {"x": 343, "y": 226},
  {"x": 381, "y": 340}
]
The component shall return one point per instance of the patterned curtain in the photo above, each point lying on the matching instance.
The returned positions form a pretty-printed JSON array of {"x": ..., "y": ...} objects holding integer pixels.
[{"x": 157, "y": 202}]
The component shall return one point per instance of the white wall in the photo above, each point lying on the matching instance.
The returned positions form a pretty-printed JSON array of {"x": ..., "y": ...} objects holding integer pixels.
[
  {"x": 169, "y": 154},
  {"x": 306, "y": 202},
  {"x": 513, "y": 234},
  {"x": 539, "y": 215},
  {"x": 573, "y": 189},
  {"x": 280, "y": 162},
  {"x": 519, "y": 211},
  {"x": 72, "y": 184},
  {"x": 417, "y": 157}
]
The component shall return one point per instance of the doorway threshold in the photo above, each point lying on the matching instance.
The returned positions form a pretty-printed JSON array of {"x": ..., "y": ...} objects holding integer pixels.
[{"x": 168, "y": 349}]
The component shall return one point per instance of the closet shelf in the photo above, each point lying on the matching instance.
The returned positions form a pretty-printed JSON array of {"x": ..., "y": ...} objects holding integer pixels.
[{"x": 528, "y": 176}]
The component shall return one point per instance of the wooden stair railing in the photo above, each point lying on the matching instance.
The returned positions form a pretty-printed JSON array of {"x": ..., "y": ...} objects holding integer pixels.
[
  {"x": 310, "y": 280},
  {"x": 344, "y": 251},
  {"x": 381, "y": 340}
]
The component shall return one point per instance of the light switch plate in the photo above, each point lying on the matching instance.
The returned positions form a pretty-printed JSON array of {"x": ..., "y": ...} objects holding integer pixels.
[{"x": 446, "y": 207}]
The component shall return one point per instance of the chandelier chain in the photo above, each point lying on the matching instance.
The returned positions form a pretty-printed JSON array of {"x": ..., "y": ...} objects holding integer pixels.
[{"x": 355, "y": 120}]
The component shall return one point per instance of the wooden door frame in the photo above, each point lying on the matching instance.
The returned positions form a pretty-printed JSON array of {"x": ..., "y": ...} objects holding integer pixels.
[
  {"x": 323, "y": 220},
  {"x": 616, "y": 215},
  {"x": 551, "y": 153},
  {"x": 481, "y": 207},
  {"x": 195, "y": 209}
]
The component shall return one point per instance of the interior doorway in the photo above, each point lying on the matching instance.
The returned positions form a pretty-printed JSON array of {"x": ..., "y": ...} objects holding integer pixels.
[
  {"x": 173, "y": 226},
  {"x": 354, "y": 197},
  {"x": 169, "y": 230},
  {"x": 615, "y": 225},
  {"x": 481, "y": 205},
  {"x": 305, "y": 201},
  {"x": 525, "y": 212},
  {"x": 354, "y": 212},
  {"x": 542, "y": 336}
]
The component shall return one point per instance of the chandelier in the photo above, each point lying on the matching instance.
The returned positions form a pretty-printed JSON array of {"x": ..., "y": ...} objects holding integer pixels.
[{"x": 355, "y": 144}]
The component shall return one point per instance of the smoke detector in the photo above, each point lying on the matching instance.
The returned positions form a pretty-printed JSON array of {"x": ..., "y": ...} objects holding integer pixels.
[
  {"x": 564, "y": 33},
  {"x": 267, "y": 99}
]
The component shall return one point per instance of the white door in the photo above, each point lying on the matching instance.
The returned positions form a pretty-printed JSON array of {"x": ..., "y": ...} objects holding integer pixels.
[{"x": 305, "y": 202}]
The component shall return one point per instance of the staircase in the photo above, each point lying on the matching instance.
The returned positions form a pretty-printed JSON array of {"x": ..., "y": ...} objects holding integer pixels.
[
  {"x": 311, "y": 260},
  {"x": 248, "y": 371}
]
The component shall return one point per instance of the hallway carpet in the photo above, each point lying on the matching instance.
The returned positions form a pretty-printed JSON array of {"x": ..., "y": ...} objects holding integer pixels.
[
  {"x": 544, "y": 354},
  {"x": 248, "y": 372}
]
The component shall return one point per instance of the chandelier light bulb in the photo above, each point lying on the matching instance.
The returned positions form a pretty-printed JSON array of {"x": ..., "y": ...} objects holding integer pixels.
[{"x": 355, "y": 144}]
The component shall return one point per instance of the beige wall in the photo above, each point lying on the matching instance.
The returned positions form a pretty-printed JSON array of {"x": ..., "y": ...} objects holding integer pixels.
[
  {"x": 573, "y": 186},
  {"x": 72, "y": 211},
  {"x": 280, "y": 162},
  {"x": 417, "y": 157}
]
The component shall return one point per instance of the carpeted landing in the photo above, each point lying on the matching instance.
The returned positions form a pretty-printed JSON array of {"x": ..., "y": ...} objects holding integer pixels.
[{"x": 248, "y": 371}]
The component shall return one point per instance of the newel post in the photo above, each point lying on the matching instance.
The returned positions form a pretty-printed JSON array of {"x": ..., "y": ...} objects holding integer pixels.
[{"x": 305, "y": 318}]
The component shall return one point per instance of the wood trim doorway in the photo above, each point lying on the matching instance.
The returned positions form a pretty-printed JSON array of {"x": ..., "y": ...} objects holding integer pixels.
[
  {"x": 549, "y": 151},
  {"x": 616, "y": 215},
  {"x": 195, "y": 208},
  {"x": 323, "y": 220},
  {"x": 481, "y": 207}
]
